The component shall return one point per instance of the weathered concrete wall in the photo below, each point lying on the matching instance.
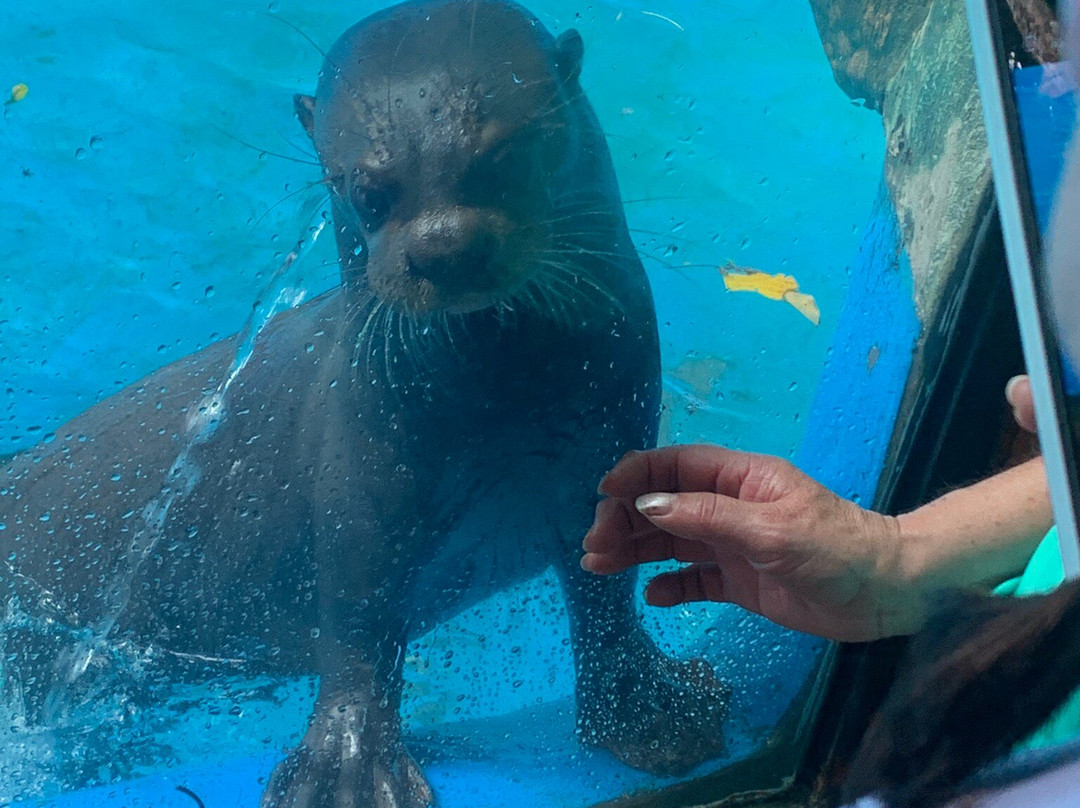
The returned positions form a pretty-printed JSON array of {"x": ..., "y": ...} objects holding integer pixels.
[
  {"x": 913, "y": 62},
  {"x": 937, "y": 164},
  {"x": 867, "y": 41}
]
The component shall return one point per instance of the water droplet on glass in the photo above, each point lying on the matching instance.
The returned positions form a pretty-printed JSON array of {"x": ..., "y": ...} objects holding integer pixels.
[
  {"x": 309, "y": 347},
  {"x": 209, "y": 291},
  {"x": 81, "y": 154},
  {"x": 96, "y": 143}
]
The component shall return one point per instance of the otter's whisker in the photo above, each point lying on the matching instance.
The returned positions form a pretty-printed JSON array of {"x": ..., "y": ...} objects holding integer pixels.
[
  {"x": 661, "y": 234},
  {"x": 300, "y": 148},
  {"x": 560, "y": 303},
  {"x": 408, "y": 345},
  {"x": 574, "y": 281},
  {"x": 353, "y": 312},
  {"x": 575, "y": 216},
  {"x": 279, "y": 155},
  {"x": 444, "y": 331},
  {"x": 421, "y": 346},
  {"x": 290, "y": 195},
  {"x": 566, "y": 296},
  {"x": 364, "y": 340},
  {"x": 388, "y": 361}
]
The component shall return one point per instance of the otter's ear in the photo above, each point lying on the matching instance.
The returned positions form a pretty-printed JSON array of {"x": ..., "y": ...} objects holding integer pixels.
[
  {"x": 304, "y": 106},
  {"x": 569, "y": 49}
]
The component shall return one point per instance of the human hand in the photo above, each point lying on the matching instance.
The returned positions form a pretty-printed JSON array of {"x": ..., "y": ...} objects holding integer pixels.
[{"x": 757, "y": 532}]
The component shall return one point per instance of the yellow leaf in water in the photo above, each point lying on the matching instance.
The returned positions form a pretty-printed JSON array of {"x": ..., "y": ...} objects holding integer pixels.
[
  {"x": 18, "y": 92},
  {"x": 805, "y": 305},
  {"x": 774, "y": 287}
]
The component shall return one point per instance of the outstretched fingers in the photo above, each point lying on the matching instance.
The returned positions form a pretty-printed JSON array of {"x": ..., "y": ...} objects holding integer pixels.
[
  {"x": 678, "y": 468},
  {"x": 728, "y": 526},
  {"x": 621, "y": 538},
  {"x": 719, "y": 583}
]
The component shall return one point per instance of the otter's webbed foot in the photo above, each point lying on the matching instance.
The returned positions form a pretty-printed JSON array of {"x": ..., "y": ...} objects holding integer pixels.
[
  {"x": 654, "y": 713},
  {"x": 340, "y": 765}
]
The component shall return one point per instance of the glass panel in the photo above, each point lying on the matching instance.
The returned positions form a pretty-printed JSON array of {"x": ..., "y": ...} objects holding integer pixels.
[
  {"x": 252, "y": 513},
  {"x": 1046, "y": 113}
]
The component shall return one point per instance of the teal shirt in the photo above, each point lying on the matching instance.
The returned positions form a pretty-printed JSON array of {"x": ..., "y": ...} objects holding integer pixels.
[{"x": 1044, "y": 573}]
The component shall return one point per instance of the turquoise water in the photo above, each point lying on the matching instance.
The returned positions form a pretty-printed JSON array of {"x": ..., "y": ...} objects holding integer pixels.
[{"x": 153, "y": 181}]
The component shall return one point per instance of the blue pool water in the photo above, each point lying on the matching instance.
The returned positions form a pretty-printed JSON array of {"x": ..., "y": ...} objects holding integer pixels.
[{"x": 139, "y": 227}]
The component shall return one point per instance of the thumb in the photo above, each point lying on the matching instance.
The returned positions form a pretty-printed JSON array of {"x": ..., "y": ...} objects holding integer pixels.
[
  {"x": 1018, "y": 394},
  {"x": 713, "y": 519}
]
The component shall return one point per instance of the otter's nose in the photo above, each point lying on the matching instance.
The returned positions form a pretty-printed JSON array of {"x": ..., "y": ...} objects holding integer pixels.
[{"x": 451, "y": 248}]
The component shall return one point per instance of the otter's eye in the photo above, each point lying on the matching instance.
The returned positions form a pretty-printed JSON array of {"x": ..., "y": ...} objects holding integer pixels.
[
  {"x": 372, "y": 200},
  {"x": 373, "y": 205}
]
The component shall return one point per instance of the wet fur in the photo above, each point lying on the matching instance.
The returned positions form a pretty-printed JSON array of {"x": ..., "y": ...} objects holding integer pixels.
[{"x": 395, "y": 449}]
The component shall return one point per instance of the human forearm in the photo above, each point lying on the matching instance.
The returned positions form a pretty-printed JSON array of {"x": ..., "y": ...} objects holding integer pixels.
[{"x": 977, "y": 536}]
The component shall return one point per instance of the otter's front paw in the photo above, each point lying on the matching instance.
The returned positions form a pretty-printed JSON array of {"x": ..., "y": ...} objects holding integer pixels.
[
  {"x": 336, "y": 765},
  {"x": 652, "y": 712}
]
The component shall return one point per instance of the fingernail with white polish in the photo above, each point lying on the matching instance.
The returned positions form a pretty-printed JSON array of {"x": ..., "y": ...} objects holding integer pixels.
[
  {"x": 655, "y": 504},
  {"x": 1010, "y": 386}
]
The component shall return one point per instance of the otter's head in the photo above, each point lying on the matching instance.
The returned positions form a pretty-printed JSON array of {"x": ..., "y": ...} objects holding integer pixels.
[{"x": 442, "y": 128}]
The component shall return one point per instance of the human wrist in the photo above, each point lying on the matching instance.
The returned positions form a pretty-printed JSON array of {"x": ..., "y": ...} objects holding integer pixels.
[
  {"x": 978, "y": 536},
  {"x": 933, "y": 556},
  {"x": 901, "y": 582}
]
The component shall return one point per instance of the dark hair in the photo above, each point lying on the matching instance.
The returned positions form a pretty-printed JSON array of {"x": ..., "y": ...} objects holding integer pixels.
[{"x": 983, "y": 675}]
